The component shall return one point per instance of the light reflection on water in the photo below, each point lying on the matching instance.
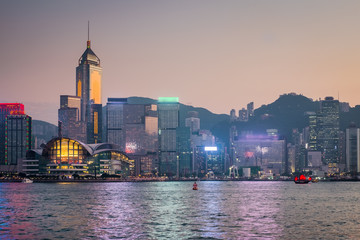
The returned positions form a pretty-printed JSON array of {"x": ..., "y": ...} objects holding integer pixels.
[{"x": 170, "y": 210}]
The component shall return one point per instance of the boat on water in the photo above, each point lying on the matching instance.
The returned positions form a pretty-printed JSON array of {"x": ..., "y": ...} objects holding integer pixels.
[
  {"x": 302, "y": 179},
  {"x": 195, "y": 187},
  {"x": 27, "y": 180}
]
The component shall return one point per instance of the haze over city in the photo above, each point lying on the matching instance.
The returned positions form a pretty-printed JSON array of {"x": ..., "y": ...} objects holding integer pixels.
[{"x": 213, "y": 54}]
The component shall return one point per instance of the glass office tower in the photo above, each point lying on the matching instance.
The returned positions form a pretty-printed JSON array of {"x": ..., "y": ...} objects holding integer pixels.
[{"x": 168, "y": 113}]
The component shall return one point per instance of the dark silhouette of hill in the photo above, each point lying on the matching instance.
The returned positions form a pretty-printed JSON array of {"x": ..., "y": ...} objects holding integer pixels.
[
  {"x": 285, "y": 114},
  {"x": 43, "y": 131}
]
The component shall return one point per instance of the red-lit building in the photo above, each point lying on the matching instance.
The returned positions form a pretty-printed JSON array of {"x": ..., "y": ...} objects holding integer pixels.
[{"x": 5, "y": 110}]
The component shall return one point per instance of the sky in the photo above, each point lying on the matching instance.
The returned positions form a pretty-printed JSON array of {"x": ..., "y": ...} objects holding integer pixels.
[{"x": 218, "y": 55}]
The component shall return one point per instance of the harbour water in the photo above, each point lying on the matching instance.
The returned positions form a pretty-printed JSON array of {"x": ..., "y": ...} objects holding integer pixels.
[{"x": 172, "y": 210}]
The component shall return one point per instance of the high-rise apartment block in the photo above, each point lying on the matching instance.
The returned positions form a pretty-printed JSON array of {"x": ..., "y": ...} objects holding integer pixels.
[{"x": 244, "y": 114}]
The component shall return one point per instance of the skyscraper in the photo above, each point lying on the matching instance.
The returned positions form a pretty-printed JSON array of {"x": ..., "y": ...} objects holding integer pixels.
[
  {"x": 5, "y": 110},
  {"x": 17, "y": 137},
  {"x": 88, "y": 88},
  {"x": 353, "y": 149},
  {"x": 328, "y": 131},
  {"x": 115, "y": 126},
  {"x": 168, "y": 110}
]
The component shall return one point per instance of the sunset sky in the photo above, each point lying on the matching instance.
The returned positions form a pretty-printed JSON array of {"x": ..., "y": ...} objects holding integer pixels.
[{"x": 213, "y": 54}]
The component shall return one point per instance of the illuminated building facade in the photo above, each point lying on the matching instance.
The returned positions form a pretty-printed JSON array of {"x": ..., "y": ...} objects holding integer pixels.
[
  {"x": 312, "y": 139},
  {"x": 5, "y": 110},
  {"x": 134, "y": 127},
  {"x": 88, "y": 89},
  {"x": 208, "y": 159},
  {"x": 328, "y": 131},
  {"x": 17, "y": 137},
  {"x": 266, "y": 152},
  {"x": 168, "y": 112},
  {"x": 65, "y": 156}
]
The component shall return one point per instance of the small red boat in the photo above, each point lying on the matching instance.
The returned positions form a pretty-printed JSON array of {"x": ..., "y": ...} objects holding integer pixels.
[
  {"x": 195, "y": 186},
  {"x": 302, "y": 179}
]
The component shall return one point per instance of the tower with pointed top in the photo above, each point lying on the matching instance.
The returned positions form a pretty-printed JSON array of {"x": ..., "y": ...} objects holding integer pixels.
[{"x": 88, "y": 88}]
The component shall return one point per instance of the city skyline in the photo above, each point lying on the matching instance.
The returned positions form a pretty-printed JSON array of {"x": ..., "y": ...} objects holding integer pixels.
[{"x": 209, "y": 54}]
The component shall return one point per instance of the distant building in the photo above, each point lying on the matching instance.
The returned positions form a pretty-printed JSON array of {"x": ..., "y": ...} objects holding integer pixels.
[
  {"x": 5, "y": 110},
  {"x": 208, "y": 159},
  {"x": 353, "y": 150},
  {"x": 314, "y": 159},
  {"x": 184, "y": 151},
  {"x": 17, "y": 137},
  {"x": 233, "y": 115},
  {"x": 115, "y": 125},
  {"x": 328, "y": 131},
  {"x": 88, "y": 89},
  {"x": 69, "y": 116},
  {"x": 344, "y": 107},
  {"x": 193, "y": 121},
  {"x": 265, "y": 152},
  {"x": 243, "y": 115},
  {"x": 250, "y": 109},
  {"x": 168, "y": 111},
  {"x": 312, "y": 140}
]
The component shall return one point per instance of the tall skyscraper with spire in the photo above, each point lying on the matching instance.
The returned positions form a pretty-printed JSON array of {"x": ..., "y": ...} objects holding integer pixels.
[{"x": 88, "y": 88}]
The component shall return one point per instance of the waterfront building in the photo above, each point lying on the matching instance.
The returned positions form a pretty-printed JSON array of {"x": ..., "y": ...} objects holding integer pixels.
[
  {"x": 328, "y": 131},
  {"x": 266, "y": 152},
  {"x": 63, "y": 156},
  {"x": 353, "y": 149},
  {"x": 5, "y": 110},
  {"x": 17, "y": 137},
  {"x": 184, "y": 151},
  {"x": 208, "y": 160},
  {"x": 168, "y": 112},
  {"x": 88, "y": 89}
]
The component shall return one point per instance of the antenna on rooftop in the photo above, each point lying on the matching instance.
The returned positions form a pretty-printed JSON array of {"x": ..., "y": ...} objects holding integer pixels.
[{"x": 88, "y": 41}]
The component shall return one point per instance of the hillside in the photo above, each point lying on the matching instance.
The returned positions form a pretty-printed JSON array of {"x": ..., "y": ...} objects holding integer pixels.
[
  {"x": 207, "y": 119},
  {"x": 43, "y": 132}
]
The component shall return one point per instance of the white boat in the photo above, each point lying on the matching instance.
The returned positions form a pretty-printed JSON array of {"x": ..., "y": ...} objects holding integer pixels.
[{"x": 27, "y": 180}]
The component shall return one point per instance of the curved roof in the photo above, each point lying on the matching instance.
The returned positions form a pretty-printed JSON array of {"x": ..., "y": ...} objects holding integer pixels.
[{"x": 49, "y": 144}]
